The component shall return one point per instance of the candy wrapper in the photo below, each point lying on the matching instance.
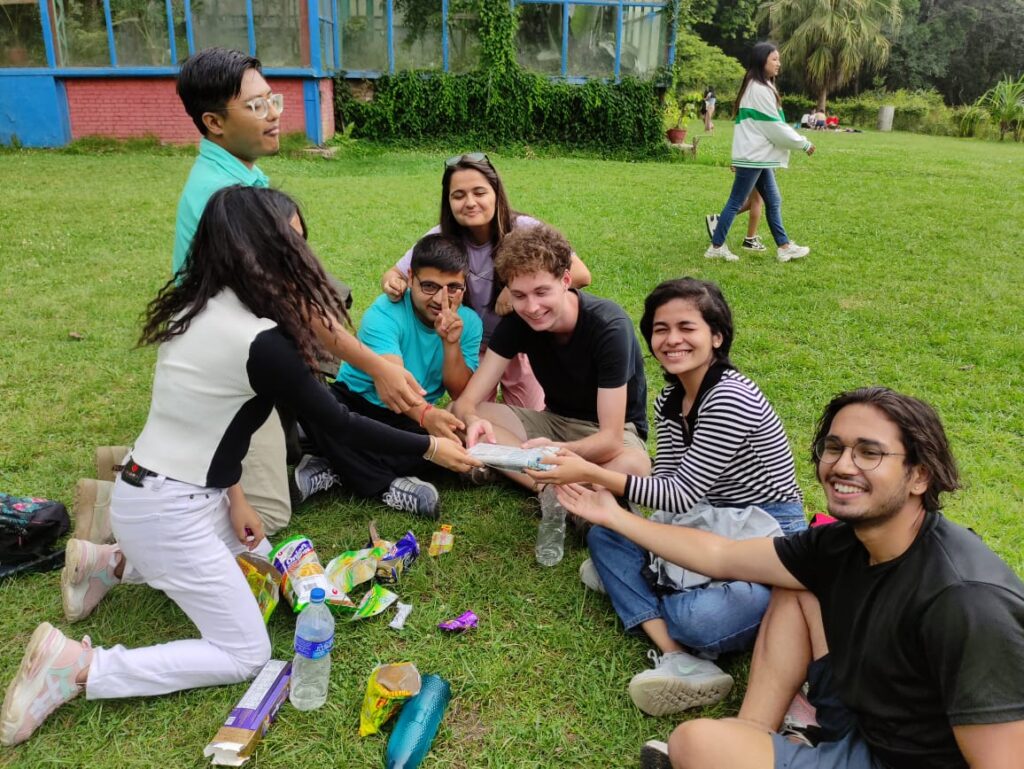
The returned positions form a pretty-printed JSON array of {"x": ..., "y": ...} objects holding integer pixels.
[
  {"x": 264, "y": 581},
  {"x": 354, "y": 567},
  {"x": 389, "y": 686},
  {"x": 376, "y": 600},
  {"x": 404, "y": 610},
  {"x": 460, "y": 623},
  {"x": 441, "y": 541},
  {"x": 512, "y": 458},
  {"x": 398, "y": 559},
  {"x": 301, "y": 571}
]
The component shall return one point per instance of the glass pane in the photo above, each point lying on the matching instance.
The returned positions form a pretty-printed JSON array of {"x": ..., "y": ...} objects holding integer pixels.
[
  {"x": 540, "y": 38},
  {"x": 463, "y": 40},
  {"x": 591, "y": 41},
  {"x": 326, "y": 35},
  {"x": 364, "y": 41},
  {"x": 81, "y": 34},
  {"x": 140, "y": 32},
  {"x": 180, "y": 38},
  {"x": 21, "y": 35},
  {"x": 417, "y": 36},
  {"x": 220, "y": 22},
  {"x": 644, "y": 41},
  {"x": 277, "y": 32}
]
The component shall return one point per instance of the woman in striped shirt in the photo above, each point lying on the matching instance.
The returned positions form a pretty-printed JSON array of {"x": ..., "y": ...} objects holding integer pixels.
[{"x": 720, "y": 445}]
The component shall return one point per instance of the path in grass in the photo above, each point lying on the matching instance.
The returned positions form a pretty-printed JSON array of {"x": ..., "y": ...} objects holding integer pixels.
[{"x": 914, "y": 281}]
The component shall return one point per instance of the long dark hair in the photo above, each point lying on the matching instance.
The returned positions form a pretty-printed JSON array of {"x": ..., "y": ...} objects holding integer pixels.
[
  {"x": 504, "y": 216},
  {"x": 755, "y": 71},
  {"x": 921, "y": 431},
  {"x": 245, "y": 242},
  {"x": 707, "y": 297}
]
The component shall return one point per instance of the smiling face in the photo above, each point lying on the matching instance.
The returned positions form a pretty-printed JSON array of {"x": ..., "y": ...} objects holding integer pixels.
[
  {"x": 870, "y": 496},
  {"x": 472, "y": 201},
  {"x": 541, "y": 300},
  {"x": 682, "y": 341},
  {"x": 772, "y": 65},
  {"x": 428, "y": 307},
  {"x": 238, "y": 130}
]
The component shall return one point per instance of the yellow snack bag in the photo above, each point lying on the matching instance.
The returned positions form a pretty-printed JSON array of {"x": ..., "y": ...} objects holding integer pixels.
[
  {"x": 441, "y": 541},
  {"x": 388, "y": 688}
]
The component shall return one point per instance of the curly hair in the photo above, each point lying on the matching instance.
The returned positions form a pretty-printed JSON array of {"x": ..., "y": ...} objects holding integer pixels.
[
  {"x": 529, "y": 250},
  {"x": 245, "y": 242}
]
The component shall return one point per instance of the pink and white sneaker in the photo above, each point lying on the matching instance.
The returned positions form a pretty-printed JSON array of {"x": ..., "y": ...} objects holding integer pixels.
[
  {"x": 44, "y": 681},
  {"x": 88, "y": 575}
]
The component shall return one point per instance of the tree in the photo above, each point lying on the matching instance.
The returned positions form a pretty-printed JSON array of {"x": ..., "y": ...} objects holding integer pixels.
[
  {"x": 834, "y": 39},
  {"x": 1003, "y": 105}
]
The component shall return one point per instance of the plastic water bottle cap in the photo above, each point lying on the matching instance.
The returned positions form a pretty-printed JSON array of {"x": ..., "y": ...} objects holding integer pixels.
[{"x": 318, "y": 595}]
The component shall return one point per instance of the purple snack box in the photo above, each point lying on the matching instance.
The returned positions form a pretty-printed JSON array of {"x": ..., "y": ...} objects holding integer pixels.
[{"x": 250, "y": 719}]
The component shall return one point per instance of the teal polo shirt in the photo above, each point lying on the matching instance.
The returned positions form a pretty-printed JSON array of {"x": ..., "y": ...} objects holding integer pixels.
[
  {"x": 214, "y": 169},
  {"x": 393, "y": 328}
]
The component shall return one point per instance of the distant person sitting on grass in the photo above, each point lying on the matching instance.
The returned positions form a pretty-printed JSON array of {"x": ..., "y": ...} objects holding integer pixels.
[
  {"x": 437, "y": 339},
  {"x": 583, "y": 351},
  {"x": 234, "y": 339},
  {"x": 907, "y": 628},
  {"x": 723, "y": 464}
]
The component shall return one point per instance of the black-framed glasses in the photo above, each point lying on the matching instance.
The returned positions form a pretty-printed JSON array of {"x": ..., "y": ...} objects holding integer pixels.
[
  {"x": 430, "y": 288},
  {"x": 261, "y": 105},
  {"x": 866, "y": 455},
  {"x": 472, "y": 157}
]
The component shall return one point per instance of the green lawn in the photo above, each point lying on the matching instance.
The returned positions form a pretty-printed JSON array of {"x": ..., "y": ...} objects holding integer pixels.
[{"x": 915, "y": 281}]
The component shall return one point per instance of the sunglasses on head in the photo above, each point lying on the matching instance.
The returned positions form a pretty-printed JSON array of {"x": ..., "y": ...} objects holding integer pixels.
[{"x": 472, "y": 157}]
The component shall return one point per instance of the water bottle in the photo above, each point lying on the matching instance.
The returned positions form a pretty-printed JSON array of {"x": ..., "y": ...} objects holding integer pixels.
[
  {"x": 551, "y": 532},
  {"x": 417, "y": 724},
  {"x": 314, "y": 637}
]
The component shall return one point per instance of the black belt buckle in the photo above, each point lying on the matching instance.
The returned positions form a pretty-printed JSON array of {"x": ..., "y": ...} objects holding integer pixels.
[{"x": 133, "y": 473}]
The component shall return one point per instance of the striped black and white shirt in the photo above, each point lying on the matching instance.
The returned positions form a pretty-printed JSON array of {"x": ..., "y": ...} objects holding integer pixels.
[{"x": 730, "y": 450}]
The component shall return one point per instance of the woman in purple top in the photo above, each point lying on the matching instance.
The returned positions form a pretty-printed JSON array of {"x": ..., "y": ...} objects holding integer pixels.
[{"x": 475, "y": 209}]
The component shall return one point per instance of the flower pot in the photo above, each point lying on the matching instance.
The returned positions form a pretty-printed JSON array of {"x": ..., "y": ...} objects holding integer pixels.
[{"x": 676, "y": 135}]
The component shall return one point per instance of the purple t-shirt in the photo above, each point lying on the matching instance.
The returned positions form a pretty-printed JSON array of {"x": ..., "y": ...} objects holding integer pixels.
[{"x": 480, "y": 281}]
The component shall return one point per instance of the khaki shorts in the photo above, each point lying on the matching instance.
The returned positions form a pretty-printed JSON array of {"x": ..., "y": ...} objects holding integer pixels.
[{"x": 545, "y": 424}]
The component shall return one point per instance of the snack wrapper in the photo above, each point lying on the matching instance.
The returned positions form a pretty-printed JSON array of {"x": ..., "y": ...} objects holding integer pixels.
[
  {"x": 398, "y": 559},
  {"x": 264, "y": 581},
  {"x": 301, "y": 571},
  {"x": 250, "y": 719},
  {"x": 441, "y": 541},
  {"x": 354, "y": 567},
  {"x": 376, "y": 600},
  {"x": 463, "y": 622},
  {"x": 404, "y": 610},
  {"x": 513, "y": 458},
  {"x": 389, "y": 686}
]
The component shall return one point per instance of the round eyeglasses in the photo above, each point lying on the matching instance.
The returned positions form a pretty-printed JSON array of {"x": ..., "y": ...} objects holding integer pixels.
[
  {"x": 430, "y": 288},
  {"x": 866, "y": 455}
]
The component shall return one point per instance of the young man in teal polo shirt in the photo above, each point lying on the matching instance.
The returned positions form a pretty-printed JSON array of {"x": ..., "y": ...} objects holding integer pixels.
[{"x": 437, "y": 339}]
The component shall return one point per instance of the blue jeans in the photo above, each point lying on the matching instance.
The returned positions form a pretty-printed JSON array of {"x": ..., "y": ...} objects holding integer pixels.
[
  {"x": 745, "y": 180},
  {"x": 709, "y": 620}
]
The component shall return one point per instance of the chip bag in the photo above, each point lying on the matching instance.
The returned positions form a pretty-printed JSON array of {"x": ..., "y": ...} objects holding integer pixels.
[
  {"x": 264, "y": 581},
  {"x": 388, "y": 688}
]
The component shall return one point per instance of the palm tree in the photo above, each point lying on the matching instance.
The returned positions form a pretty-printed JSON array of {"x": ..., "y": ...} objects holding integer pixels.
[
  {"x": 834, "y": 39},
  {"x": 1003, "y": 104}
]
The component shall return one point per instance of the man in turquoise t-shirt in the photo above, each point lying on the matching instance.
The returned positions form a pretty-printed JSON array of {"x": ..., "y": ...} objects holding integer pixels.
[{"x": 437, "y": 340}]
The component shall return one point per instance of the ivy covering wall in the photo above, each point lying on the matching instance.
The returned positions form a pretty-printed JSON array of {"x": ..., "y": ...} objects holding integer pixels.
[{"x": 503, "y": 103}]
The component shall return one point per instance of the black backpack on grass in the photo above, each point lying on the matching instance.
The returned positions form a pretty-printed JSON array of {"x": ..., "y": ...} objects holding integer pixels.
[{"x": 29, "y": 527}]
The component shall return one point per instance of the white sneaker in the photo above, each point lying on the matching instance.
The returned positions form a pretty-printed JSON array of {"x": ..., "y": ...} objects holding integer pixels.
[
  {"x": 89, "y": 573},
  {"x": 590, "y": 577},
  {"x": 792, "y": 251},
  {"x": 720, "y": 252},
  {"x": 711, "y": 222},
  {"x": 679, "y": 681}
]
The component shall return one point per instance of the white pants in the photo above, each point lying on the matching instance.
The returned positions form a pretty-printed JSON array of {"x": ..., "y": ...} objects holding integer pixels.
[{"x": 177, "y": 538}]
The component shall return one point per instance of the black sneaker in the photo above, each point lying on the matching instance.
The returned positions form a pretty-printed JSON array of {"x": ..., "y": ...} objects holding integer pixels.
[
  {"x": 711, "y": 221},
  {"x": 654, "y": 755},
  {"x": 312, "y": 474},
  {"x": 754, "y": 244},
  {"x": 413, "y": 496}
]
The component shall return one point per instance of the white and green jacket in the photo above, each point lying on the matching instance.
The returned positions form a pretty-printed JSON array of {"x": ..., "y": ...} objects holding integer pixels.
[{"x": 762, "y": 138}]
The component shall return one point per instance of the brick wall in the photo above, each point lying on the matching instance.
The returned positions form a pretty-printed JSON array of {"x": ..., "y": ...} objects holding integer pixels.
[
  {"x": 327, "y": 108},
  {"x": 128, "y": 107}
]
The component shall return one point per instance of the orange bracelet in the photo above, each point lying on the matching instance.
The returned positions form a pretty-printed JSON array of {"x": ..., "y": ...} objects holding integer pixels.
[{"x": 427, "y": 407}]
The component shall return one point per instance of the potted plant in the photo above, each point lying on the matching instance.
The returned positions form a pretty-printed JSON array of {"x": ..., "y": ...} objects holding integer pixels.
[{"x": 679, "y": 111}]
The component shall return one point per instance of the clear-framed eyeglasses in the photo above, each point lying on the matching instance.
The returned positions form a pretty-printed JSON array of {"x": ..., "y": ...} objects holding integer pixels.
[
  {"x": 261, "y": 105},
  {"x": 866, "y": 454},
  {"x": 471, "y": 157}
]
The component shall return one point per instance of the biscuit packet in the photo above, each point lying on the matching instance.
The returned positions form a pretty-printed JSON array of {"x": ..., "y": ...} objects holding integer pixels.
[{"x": 388, "y": 688}]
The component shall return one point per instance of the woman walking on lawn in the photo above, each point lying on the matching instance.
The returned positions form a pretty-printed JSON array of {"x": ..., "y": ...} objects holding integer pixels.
[
  {"x": 720, "y": 445},
  {"x": 761, "y": 142},
  {"x": 475, "y": 211},
  {"x": 235, "y": 339}
]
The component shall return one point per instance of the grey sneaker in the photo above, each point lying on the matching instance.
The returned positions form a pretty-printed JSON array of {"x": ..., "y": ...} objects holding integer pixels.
[
  {"x": 720, "y": 252},
  {"x": 754, "y": 244},
  {"x": 679, "y": 681},
  {"x": 312, "y": 474},
  {"x": 711, "y": 221},
  {"x": 654, "y": 755},
  {"x": 792, "y": 251},
  {"x": 414, "y": 496},
  {"x": 590, "y": 577}
]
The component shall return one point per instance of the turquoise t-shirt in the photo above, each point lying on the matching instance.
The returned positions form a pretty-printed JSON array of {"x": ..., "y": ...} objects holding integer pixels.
[
  {"x": 393, "y": 328},
  {"x": 214, "y": 169}
]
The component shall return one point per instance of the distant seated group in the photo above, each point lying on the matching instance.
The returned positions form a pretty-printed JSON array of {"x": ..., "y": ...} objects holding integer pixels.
[{"x": 892, "y": 637}]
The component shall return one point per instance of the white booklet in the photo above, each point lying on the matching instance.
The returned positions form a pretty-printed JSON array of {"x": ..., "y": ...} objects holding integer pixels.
[{"x": 512, "y": 458}]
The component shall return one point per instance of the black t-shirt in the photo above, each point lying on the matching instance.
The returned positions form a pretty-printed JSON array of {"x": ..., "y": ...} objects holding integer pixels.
[
  {"x": 602, "y": 352},
  {"x": 919, "y": 644}
]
